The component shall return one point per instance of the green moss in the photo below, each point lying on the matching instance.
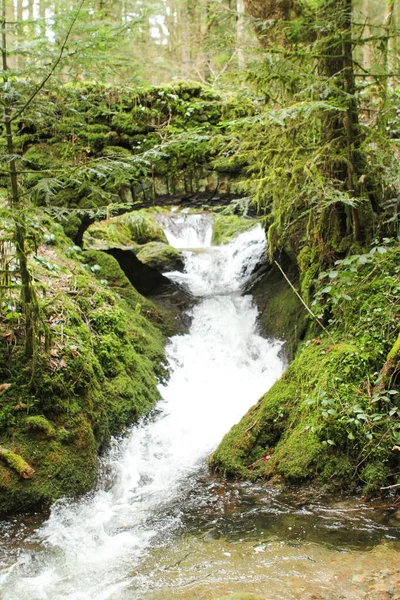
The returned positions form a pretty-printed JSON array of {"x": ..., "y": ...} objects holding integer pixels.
[
  {"x": 39, "y": 424},
  {"x": 71, "y": 224},
  {"x": 281, "y": 314},
  {"x": 161, "y": 257},
  {"x": 300, "y": 428},
  {"x": 126, "y": 231},
  {"x": 226, "y": 228},
  {"x": 16, "y": 463},
  {"x": 101, "y": 375},
  {"x": 394, "y": 353},
  {"x": 229, "y": 164},
  {"x": 144, "y": 227},
  {"x": 375, "y": 475}
]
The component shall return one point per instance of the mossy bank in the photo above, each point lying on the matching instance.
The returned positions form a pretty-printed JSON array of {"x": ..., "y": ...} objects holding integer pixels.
[
  {"x": 333, "y": 418},
  {"x": 98, "y": 360}
]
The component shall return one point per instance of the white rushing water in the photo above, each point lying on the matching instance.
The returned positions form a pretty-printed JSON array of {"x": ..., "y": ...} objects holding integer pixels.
[{"x": 92, "y": 549}]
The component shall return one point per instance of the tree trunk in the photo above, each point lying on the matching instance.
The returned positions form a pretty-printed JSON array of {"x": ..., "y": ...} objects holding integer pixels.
[
  {"x": 367, "y": 49},
  {"x": 342, "y": 132},
  {"x": 28, "y": 297},
  {"x": 240, "y": 34},
  {"x": 270, "y": 10}
]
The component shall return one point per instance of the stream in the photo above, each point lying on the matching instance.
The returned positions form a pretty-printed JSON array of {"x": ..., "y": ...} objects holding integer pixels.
[{"x": 159, "y": 526}]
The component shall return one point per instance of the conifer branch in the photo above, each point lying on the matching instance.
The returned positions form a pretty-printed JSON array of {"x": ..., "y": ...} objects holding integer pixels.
[{"x": 53, "y": 68}]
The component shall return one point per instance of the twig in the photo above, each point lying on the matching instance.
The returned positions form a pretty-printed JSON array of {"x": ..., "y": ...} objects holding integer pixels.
[
  {"x": 314, "y": 316},
  {"x": 390, "y": 487},
  {"x": 251, "y": 427}
]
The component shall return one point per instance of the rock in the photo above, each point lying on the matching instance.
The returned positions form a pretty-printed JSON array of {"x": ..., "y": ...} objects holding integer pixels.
[
  {"x": 124, "y": 231},
  {"x": 228, "y": 227},
  {"x": 144, "y": 279},
  {"x": 161, "y": 257}
]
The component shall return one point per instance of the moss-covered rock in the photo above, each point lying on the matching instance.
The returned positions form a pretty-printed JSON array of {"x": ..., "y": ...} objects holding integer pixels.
[
  {"x": 227, "y": 227},
  {"x": 99, "y": 359},
  {"x": 161, "y": 257},
  {"x": 281, "y": 313},
  {"x": 305, "y": 427},
  {"x": 125, "y": 231},
  {"x": 332, "y": 417}
]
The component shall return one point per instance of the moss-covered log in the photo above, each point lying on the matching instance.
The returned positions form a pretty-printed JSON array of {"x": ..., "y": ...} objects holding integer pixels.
[{"x": 16, "y": 463}]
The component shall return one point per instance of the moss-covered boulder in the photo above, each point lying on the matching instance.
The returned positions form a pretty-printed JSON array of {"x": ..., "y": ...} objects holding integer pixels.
[
  {"x": 281, "y": 315},
  {"x": 306, "y": 427},
  {"x": 227, "y": 227},
  {"x": 161, "y": 257},
  {"x": 125, "y": 231}
]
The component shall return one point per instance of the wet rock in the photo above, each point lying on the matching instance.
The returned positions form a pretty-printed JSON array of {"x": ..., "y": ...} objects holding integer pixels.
[
  {"x": 161, "y": 257},
  {"x": 144, "y": 278}
]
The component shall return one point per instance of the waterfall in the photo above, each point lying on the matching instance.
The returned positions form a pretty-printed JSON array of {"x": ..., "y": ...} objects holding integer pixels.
[{"x": 92, "y": 548}]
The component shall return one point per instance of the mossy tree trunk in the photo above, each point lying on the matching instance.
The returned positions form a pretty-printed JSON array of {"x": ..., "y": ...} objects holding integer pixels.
[
  {"x": 342, "y": 132},
  {"x": 262, "y": 11},
  {"x": 28, "y": 296}
]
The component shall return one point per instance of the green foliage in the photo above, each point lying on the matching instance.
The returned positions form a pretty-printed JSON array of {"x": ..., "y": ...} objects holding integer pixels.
[{"x": 41, "y": 425}]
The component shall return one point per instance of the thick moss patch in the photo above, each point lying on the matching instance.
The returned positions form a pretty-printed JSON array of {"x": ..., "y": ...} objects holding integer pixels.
[
  {"x": 96, "y": 373},
  {"x": 129, "y": 230},
  {"x": 327, "y": 419},
  {"x": 290, "y": 431},
  {"x": 227, "y": 227},
  {"x": 161, "y": 257}
]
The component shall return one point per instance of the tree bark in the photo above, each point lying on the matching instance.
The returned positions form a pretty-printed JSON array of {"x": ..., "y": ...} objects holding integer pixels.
[
  {"x": 28, "y": 295},
  {"x": 270, "y": 10},
  {"x": 240, "y": 34}
]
